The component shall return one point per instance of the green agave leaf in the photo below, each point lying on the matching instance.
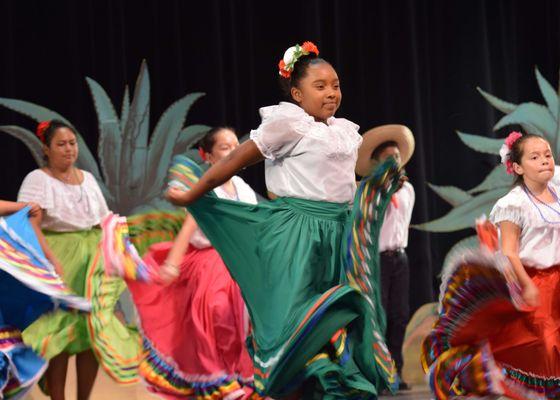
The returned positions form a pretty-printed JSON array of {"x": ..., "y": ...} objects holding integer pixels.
[
  {"x": 29, "y": 139},
  {"x": 481, "y": 144},
  {"x": 40, "y": 113},
  {"x": 138, "y": 121},
  {"x": 548, "y": 92},
  {"x": 103, "y": 104},
  {"x": 453, "y": 195},
  {"x": 535, "y": 118},
  {"x": 497, "y": 103},
  {"x": 163, "y": 141},
  {"x": 458, "y": 248},
  {"x": 109, "y": 134},
  {"x": 496, "y": 179},
  {"x": 464, "y": 216},
  {"x": 125, "y": 108},
  {"x": 189, "y": 137},
  {"x": 133, "y": 159},
  {"x": 31, "y": 110}
]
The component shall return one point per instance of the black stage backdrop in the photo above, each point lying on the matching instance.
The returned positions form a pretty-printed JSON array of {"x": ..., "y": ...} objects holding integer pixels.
[{"x": 410, "y": 62}]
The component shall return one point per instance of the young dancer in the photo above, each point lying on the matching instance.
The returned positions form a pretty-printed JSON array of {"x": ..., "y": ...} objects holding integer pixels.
[
  {"x": 313, "y": 333},
  {"x": 497, "y": 333},
  {"x": 72, "y": 207}
]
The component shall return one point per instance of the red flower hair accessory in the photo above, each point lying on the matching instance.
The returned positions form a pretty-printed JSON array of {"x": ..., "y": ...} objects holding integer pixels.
[
  {"x": 286, "y": 64},
  {"x": 505, "y": 150},
  {"x": 202, "y": 154},
  {"x": 41, "y": 128}
]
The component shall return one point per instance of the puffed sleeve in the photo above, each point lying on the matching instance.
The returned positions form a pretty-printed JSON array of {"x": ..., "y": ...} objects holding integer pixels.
[
  {"x": 509, "y": 208},
  {"x": 281, "y": 129},
  {"x": 99, "y": 201},
  {"x": 36, "y": 187}
]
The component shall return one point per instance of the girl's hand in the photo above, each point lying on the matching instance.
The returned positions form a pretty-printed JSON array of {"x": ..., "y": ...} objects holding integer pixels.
[
  {"x": 58, "y": 269},
  {"x": 402, "y": 180},
  {"x": 169, "y": 272},
  {"x": 530, "y": 294},
  {"x": 178, "y": 197},
  {"x": 35, "y": 209}
]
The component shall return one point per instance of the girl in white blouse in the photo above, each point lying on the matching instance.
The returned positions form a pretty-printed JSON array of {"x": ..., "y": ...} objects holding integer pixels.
[
  {"x": 72, "y": 207},
  {"x": 311, "y": 330},
  {"x": 506, "y": 322}
]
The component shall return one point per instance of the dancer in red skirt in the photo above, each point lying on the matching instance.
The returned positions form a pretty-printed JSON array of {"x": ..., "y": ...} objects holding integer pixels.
[
  {"x": 498, "y": 331},
  {"x": 194, "y": 323}
]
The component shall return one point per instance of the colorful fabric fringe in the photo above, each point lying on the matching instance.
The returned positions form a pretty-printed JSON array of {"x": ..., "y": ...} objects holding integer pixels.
[
  {"x": 362, "y": 261},
  {"x": 162, "y": 373},
  {"x": 487, "y": 341},
  {"x": 121, "y": 257},
  {"x": 122, "y": 237}
]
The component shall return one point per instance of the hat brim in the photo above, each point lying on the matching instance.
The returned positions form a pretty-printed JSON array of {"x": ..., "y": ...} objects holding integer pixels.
[{"x": 399, "y": 134}]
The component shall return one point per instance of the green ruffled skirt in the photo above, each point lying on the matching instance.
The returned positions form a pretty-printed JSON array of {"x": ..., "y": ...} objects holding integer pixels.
[
  {"x": 311, "y": 328},
  {"x": 116, "y": 346}
]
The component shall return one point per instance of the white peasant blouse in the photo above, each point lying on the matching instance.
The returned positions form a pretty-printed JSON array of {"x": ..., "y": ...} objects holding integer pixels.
[
  {"x": 307, "y": 159},
  {"x": 66, "y": 208},
  {"x": 539, "y": 242}
]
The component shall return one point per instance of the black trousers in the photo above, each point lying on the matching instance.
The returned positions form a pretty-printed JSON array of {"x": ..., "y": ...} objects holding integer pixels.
[{"x": 395, "y": 278}]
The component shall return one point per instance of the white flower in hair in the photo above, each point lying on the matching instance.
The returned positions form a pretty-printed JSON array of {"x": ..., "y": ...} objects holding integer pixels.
[
  {"x": 289, "y": 55},
  {"x": 504, "y": 153}
]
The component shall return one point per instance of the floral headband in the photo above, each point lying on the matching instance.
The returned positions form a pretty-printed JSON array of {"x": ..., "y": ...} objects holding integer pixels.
[
  {"x": 505, "y": 150},
  {"x": 286, "y": 64},
  {"x": 41, "y": 128}
]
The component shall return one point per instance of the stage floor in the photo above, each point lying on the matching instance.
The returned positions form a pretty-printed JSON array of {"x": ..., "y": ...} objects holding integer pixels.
[{"x": 105, "y": 389}]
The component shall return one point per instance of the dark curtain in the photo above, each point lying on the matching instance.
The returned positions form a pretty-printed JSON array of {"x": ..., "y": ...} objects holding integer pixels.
[{"x": 412, "y": 62}]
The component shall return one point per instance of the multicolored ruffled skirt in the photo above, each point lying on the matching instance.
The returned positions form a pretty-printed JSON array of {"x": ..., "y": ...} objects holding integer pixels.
[
  {"x": 29, "y": 287},
  {"x": 486, "y": 341},
  {"x": 116, "y": 345},
  {"x": 194, "y": 329}
]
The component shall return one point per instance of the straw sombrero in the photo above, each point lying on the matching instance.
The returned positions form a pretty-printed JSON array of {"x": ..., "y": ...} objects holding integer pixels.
[{"x": 381, "y": 134}]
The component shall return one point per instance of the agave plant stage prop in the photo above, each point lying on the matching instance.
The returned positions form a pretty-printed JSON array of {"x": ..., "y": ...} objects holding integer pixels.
[
  {"x": 471, "y": 204},
  {"x": 133, "y": 168}
]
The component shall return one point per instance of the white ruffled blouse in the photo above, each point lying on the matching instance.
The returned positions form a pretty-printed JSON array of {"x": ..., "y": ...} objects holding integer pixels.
[
  {"x": 307, "y": 159},
  {"x": 66, "y": 208},
  {"x": 539, "y": 242},
  {"x": 244, "y": 194}
]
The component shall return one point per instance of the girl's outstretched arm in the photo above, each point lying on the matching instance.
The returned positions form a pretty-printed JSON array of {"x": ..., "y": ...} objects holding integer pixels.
[
  {"x": 510, "y": 233},
  {"x": 243, "y": 156},
  {"x": 171, "y": 267},
  {"x": 10, "y": 207}
]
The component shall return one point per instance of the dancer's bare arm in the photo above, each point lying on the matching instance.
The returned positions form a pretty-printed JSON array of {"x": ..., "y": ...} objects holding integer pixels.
[{"x": 510, "y": 233}]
